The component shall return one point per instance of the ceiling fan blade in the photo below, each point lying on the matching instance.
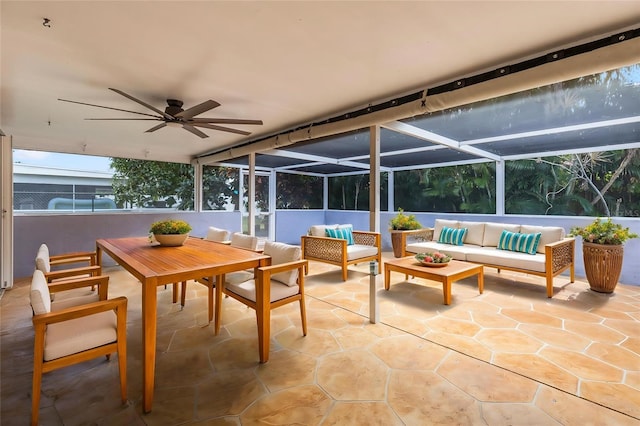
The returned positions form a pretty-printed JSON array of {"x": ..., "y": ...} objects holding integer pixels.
[
  {"x": 222, "y": 129},
  {"x": 225, "y": 121},
  {"x": 106, "y": 107},
  {"x": 195, "y": 131},
  {"x": 198, "y": 109},
  {"x": 143, "y": 103},
  {"x": 154, "y": 128},
  {"x": 136, "y": 119}
]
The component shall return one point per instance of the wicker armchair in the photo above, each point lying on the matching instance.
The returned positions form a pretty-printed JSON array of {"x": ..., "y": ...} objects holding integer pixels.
[{"x": 336, "y": 251}]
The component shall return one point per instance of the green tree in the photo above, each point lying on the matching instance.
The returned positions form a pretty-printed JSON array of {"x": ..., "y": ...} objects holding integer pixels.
[
  {"x": 220, "y": 187},
  {"x": 294, "y": 191},
  {"x": 141, "y": 183}
]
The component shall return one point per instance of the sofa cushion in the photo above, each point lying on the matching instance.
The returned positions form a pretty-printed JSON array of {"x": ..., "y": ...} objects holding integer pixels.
[
  {"x": 320, "y": 230},
  {"x": 358, "y": 251},
  {"x": 524, "y": 243},
  {"x": 440, "y": 223},
  {"x": 343, "y": 232},
  {"x": 549, "y": 234},
  {"x": 475, "y": 232},
  {"x": 456, "y": 252},
  {"x": 492, "y": 232},
  {"x": 452, "y": 236},
  {"x": 508, "y": 259}
]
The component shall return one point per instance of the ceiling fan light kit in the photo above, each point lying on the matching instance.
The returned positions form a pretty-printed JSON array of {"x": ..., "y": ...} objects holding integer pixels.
[{"x": 175, "y": 116}]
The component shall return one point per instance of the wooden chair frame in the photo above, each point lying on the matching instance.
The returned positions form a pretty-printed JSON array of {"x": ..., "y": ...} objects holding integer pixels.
[
  {"x": 40, "y": 323},
  {"x": 263, "y": 305}
]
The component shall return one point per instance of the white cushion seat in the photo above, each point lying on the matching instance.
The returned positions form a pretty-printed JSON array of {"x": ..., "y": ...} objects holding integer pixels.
[
  {"x": 508, "y": 259},
  {"x": 358, "y": 251},
  {"x": 247, "y": 289}
]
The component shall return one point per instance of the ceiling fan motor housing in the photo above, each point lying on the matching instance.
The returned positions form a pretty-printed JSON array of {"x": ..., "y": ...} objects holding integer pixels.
[{"x": 175, "y": 107}]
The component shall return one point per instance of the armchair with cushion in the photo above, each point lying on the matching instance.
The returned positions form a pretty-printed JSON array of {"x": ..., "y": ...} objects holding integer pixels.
[
  {"x": 46, "y": 263},
  {"x": 239, "y": 240},
  {"x": 278, "y": 284},
  {"x": 340, "y": 245},
  {"x": 74, "y": 331},
  {"x": 213, "y": 234}
]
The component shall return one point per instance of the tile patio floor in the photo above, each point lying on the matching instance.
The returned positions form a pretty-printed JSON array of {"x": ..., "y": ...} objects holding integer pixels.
[{"x": 507, "y": 357}]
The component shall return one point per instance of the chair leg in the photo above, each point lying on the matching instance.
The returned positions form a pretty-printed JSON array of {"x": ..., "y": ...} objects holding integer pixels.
[
  {"x": 303, "y": 316},
  {"x": 122, "y": 367},
  {"x": 344, "y": 273},
  {"x": 38, "y": 356}
]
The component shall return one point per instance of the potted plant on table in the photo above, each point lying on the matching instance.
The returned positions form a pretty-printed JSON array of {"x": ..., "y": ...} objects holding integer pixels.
[
  {"x": 602, "y": 252},
  {"x": 170, "y": 232},
  {"x": 401, "y": 222}
]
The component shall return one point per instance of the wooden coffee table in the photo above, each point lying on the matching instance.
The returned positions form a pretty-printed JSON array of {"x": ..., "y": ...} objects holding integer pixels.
[{"x": 454, "y": 271}]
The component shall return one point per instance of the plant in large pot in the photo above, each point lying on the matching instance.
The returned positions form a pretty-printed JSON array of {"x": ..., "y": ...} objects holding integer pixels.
[
  {"x": 399, "y": 223},
  {"x": 603, "y": 252},
  {"x": 170, "y": 232}
]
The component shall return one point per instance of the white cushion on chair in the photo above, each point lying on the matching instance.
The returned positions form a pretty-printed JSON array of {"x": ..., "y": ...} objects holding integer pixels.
[
  {"x": 283, "y": 253},
  {"x": 217, "y": 234},
  {"x": 357, "y": 251},
  {"x": 42, "y": 259},
  {"x": 40, "y": 296},
  {"x": 244, "y": 241},
  {"x": 80, "y": 334},
  {"x": 247, "y": 290}
]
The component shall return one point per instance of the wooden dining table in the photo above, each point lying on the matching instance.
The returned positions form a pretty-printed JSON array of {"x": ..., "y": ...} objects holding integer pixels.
[{"x": 154, "y": 265}]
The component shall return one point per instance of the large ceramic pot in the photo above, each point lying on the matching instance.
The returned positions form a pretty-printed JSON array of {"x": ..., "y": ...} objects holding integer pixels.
[
  {"x": 602, "y": 265},
  {"x": 171, "y": 240}
]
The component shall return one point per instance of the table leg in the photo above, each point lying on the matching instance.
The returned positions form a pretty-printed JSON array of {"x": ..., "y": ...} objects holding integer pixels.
[
  {"x": 446, "y": 288},
  {"x": 220, "y": 279},
  {"x": 263, "y": 313},
  {"x": 149, "y": 324},
  {"x": 481, "y": 281}
]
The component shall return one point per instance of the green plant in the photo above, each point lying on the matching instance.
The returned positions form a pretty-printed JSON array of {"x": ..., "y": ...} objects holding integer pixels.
[
  {"x": 170, "y": 226},
  {"x": 603, "y": 232},
  {"x": 403, "y": 222}
]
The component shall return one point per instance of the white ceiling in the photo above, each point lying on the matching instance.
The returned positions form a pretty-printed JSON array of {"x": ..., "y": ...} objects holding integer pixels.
[{"x": 286, "y": 63}]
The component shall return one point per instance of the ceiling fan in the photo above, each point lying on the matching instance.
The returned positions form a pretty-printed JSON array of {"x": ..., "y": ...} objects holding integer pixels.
[{"x": 175, "y": 116}]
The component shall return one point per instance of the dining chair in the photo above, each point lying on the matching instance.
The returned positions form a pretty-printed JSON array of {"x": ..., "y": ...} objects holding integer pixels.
[
  {"x": 273, "y": 286},
  {"x": 218, "y": 235},
  {"x": 72, "y": 331},
  {"x": 238, "y": 240},
  {"x": 46, "y": 263}
]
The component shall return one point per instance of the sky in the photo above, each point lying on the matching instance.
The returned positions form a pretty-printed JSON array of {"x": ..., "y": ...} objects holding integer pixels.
[{"x": 65, "y": 161}]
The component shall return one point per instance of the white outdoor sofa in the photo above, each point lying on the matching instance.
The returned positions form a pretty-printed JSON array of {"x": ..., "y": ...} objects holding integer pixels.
[{"x": 555, "y": 253}]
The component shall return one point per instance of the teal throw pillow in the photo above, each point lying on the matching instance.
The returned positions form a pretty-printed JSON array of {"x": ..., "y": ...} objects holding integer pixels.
[
  {"x": 344, "y": 233},
  {"x": 452, "y": 236},
  {"x": 524, "y": 243}
]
